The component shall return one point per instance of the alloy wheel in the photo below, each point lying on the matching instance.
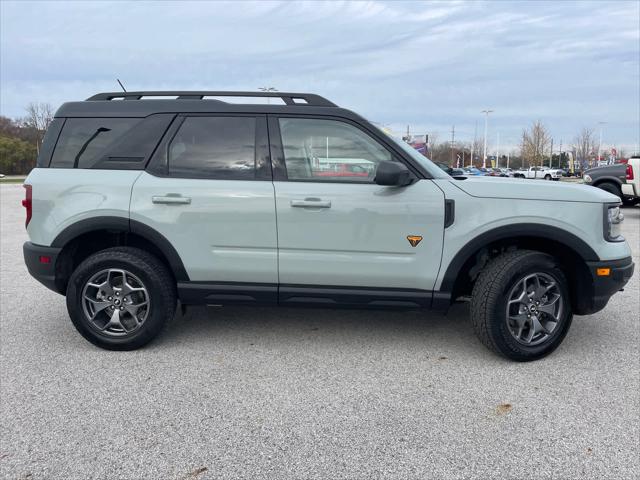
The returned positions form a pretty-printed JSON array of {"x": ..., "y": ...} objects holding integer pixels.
[
  {"x": 534, "y": 309},
  {"x": 115, "y": 302}
]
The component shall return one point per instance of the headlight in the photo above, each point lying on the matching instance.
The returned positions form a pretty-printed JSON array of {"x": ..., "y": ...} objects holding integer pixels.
[
  {"x": 613, "y": 219},
  {"x": 587, "y": 179}
]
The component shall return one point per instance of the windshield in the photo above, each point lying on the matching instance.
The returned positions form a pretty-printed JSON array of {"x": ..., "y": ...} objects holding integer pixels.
[{"x": 427, "y": 164}]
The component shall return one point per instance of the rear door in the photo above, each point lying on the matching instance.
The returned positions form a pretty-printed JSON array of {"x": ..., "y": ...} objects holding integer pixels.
[
  {"x": 336, "y": 227},
  {"x": 209, "y": 192}
]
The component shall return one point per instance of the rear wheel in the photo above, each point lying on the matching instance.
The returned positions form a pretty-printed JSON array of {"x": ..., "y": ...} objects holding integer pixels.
[
  {"x": 520, "y": 305},
  {"x": 611, "y": 188},
  {"x": 121, "y": 298}
]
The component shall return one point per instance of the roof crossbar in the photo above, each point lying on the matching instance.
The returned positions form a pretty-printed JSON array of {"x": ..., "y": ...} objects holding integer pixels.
[{"x": 309, "y": 99}]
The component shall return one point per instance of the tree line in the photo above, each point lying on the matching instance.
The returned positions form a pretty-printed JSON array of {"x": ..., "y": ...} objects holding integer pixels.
[
  {"x": 21, "y": 138},
  {"x": 536, "y": 149}
]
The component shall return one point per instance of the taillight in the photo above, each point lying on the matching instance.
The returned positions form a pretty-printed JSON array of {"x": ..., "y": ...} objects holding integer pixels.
[
  {"x": 629, "y": 172},
  {"x": 28, "y": 203}
]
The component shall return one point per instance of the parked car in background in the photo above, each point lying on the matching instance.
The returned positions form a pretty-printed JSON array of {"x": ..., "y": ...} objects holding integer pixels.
[
  {"x": 543, "y": 173},
  {"x": 476, "y": 172},
  {"x": 631, "y": 187},
  {"x": 458, "y": 172},
  {"x": 506, "y": 172},
  {"x": 613, "y": 179}
]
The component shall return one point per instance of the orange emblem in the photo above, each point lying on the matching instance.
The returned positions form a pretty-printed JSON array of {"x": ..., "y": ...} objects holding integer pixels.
[{"x": 414, "y": 240}]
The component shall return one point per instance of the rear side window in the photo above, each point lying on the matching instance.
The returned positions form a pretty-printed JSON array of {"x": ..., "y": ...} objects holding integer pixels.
[
  {"x": 215, "y": 148},
  {"x": 84, "y": 141}
]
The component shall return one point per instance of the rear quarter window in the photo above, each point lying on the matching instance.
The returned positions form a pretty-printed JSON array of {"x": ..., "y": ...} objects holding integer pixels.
[
  {"x": 107, "y": 143},
  {"x": 84, "y": 141}
]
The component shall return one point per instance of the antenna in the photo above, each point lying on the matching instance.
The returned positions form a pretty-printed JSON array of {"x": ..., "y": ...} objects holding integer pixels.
[{"x": 121, "y": 86}]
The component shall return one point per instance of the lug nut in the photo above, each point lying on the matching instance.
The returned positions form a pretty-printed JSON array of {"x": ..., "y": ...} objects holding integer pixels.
[
  {"x": 110, "y": 298},
  {"x": 117, "y": 293},
  {"x": 121, "y": 308}
]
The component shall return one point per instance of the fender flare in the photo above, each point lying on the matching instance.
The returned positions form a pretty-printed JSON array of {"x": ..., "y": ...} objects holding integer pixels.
[
  {"x": 124, "y": 224},
  {"x": 597, "y": 181},
  {"x": 546, "y": 232}
]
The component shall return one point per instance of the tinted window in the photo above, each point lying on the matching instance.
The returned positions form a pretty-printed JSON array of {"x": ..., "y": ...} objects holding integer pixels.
[
  {"x": 329, "y": 150},
  {"x": 84, "y": 141},
  {"x": 214, "y": 147}
]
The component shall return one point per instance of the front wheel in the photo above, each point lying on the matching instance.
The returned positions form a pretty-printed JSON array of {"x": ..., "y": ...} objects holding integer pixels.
[
  {"x": 121, "y": 298},
  {"x": 520, "y": 305},
  {"x": 547, "y": 177}
]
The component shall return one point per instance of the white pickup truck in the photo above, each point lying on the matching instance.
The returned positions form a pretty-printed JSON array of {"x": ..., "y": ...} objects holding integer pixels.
[
  {"x": 632, "y": 186},
  {"x": 544, "y": 173}
]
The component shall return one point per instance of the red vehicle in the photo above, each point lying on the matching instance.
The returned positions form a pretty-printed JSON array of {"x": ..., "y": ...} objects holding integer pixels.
[{"x": 343, "y": 170}]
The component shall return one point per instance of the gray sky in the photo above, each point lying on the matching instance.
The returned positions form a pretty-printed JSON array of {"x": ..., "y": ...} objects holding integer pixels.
[{"x": 430, "y": 65}]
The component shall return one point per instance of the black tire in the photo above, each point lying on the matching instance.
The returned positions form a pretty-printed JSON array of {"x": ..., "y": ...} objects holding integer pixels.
[
  {"x": 489, "y": 303},
  {"x": 611, "y": 188},
  {"x": 547, "y": 177},
  {"x": 630, "y": 202},
  {"x": 153, "y": 275}
]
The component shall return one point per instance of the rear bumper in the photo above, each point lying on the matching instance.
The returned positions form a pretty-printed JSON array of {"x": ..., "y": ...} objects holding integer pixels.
[
  {"x": 41, "y": 263},
  {"x": 629, "y": 190},
  {"x": 604, "y": 286}
]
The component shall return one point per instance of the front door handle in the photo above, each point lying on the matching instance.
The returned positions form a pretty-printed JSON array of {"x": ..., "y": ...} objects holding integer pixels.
[
  {"x": 171, "y": 199},
  {"x": 311, "y": 203}
]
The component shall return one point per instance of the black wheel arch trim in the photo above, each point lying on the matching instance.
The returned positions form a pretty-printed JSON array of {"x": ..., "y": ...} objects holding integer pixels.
[
  {"x": 514, "y": 231},
  {"x": 124, "y": 224},
  {"x": 596, "y": 182}
]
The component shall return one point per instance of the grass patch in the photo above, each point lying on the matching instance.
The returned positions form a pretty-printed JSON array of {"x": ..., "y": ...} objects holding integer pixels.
[{"x": 12, "y": 180}]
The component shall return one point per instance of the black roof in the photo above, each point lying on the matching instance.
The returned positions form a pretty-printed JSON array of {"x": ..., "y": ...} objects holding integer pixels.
[{"x": 141, "y": 104}]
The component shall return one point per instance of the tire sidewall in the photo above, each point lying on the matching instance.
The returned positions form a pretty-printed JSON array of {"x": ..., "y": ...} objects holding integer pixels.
[
  {"x": 152, "y": 325},
  {"x": 506, "y": 343}
]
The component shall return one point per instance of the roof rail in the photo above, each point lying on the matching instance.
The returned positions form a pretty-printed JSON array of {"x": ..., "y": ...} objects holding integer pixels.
[{"x": 288, "y": 98}]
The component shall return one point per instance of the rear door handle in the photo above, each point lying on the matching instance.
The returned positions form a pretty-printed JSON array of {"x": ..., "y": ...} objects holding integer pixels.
[
  {"x": 311, "y": 203},
  {"x": 171, "y": 199}
]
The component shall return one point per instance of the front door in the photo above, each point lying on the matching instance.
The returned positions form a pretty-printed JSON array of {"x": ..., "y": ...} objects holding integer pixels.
[{"x": 336, "y": 227}]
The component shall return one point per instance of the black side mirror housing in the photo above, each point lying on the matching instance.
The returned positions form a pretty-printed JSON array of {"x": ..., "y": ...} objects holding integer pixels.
[{"x": 393, "y": 174}]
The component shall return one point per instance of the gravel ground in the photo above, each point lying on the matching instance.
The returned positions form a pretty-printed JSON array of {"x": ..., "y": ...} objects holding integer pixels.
[{"x": 284, "y": 393}]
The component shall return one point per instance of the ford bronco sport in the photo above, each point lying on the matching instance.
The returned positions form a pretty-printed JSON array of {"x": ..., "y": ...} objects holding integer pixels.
[{"x": 139, "y": 201}]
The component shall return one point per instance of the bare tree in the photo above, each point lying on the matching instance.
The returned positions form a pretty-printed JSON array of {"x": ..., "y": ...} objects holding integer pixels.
[
  {"x": 38, "y": 119},
  {"x": 535, "y": 143},
  {"x": 585, "y": 144},
  {"x": 476, "y": 146}
]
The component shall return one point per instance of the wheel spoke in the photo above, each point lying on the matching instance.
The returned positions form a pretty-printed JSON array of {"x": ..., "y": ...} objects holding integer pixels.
[
  {"x": 520, "y": 320},
  {"x": 133, "y": 308},
  {"x": 97, "y": 305},
  {"x": 550, "y": 307},
  {"x": 114, "y": 321}
]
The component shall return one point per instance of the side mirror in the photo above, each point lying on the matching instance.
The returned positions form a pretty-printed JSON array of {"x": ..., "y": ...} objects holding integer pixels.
[{"x": 393, "y": 174}]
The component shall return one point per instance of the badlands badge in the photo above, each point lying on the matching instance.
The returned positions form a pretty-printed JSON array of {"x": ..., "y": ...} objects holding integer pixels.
[{"x": 414, "y": 240}]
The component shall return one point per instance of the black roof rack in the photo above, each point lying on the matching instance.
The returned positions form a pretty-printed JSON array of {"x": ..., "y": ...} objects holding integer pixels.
[{"x": 288, "y": 98}]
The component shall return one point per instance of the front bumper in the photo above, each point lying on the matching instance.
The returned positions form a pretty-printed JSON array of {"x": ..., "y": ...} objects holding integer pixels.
[
  {"x": 604, "y": 286},
  {"x": 41, "y": 263}
]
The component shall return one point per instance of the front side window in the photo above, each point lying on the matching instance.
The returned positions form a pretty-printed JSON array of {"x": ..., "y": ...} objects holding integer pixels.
[
  {"x": 84, "y": 141},
  {"x": 214, "y": 147},
  {"x": 329, "y": 150}
]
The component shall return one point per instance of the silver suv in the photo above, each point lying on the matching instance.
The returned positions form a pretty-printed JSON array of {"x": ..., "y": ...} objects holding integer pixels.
[{"x": 138, "y": 202}]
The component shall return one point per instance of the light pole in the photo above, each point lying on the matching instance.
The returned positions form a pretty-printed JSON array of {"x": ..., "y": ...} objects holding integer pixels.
[
  {"x": 600, "y": 142},
  {"x": 268, "y": 89},
  {"x": 486, "y": 119}
]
